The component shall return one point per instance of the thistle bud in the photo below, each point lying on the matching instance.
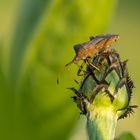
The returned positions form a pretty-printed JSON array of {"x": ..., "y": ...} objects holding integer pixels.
[{"x": 104, "y": 95}]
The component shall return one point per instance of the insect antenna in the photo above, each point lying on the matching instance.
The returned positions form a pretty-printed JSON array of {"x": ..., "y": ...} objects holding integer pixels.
[
  {"x": 74, "y": 60},
  {"x": 68, "y": 64},
  {"x": 68, "y": 70}
]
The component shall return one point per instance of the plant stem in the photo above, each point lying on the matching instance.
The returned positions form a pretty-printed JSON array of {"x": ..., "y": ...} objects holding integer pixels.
[{"x": 101, "y": 124}]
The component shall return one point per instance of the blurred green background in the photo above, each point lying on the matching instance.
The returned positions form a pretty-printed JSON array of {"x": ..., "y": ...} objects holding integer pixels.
[{"x": 36, "y": 39}]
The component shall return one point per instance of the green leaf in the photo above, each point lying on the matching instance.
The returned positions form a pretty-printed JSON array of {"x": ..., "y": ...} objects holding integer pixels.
[{"x": 27, "y": 21}]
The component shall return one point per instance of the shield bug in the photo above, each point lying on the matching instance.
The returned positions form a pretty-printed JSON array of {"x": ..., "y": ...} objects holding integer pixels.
[{"x": 93, "y": 47}]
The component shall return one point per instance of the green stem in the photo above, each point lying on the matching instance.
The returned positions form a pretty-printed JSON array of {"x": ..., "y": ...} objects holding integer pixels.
[{"x": 101, "y": 124}]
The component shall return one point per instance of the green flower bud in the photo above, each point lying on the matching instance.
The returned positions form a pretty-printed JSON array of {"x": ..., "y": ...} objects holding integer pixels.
[{"x": 104, "y": 95}]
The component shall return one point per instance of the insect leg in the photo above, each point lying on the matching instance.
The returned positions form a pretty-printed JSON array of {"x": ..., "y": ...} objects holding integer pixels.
[
  {"x": 87, "y": 60},
  {"x": 107, "y": 52},
  {"x": 81, "y": 70},
  {"x": 94, "y": 66}
]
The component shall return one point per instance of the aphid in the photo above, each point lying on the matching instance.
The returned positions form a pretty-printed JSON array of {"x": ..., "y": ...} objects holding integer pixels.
[{"x": 93, "y": 47}]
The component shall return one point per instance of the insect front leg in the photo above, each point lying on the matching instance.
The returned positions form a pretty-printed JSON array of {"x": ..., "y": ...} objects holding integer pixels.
[{"x": 81, "y": 70}]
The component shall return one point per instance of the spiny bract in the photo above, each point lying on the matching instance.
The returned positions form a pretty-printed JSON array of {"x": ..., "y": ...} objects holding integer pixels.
[{"x": 109, "y": 87}]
